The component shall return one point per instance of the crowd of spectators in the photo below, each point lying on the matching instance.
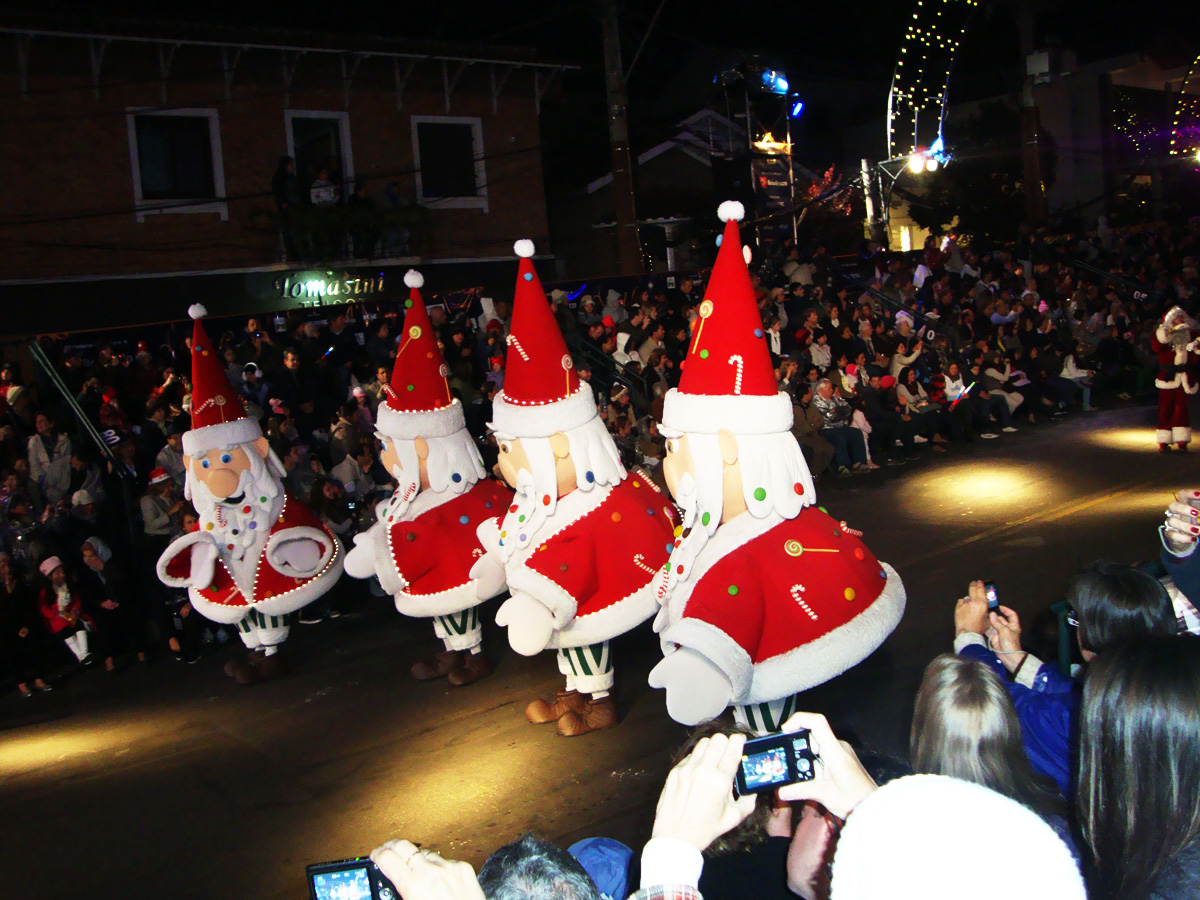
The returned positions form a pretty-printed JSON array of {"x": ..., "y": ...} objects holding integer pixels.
[{"x": 886, "y": 356}]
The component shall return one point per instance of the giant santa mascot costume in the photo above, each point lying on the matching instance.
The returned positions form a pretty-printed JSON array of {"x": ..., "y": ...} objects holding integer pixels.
[
  {"x": 423, "y": 546},
  {"x": 765, "y": 595},
  {"x": 259, "y": 554},
  {"x": 583, "y": 541},
  {"x": 1175, "y": 342}
]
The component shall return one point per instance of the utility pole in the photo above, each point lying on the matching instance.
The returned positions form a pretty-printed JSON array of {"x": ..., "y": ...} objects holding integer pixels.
[
  {"x": 629, "y": 250},
  {"x": 1031, "y": 125}
]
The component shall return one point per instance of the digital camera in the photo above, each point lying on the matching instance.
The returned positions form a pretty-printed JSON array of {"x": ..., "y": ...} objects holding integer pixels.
[
  {"x": 349, "y": 879},
  {"x": 774, "y": 761}
]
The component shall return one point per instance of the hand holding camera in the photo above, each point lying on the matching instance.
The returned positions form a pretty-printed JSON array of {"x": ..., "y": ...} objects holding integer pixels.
[
  {"x": 839, "y": 781},
  {"x": 971, "y": 611},
  {"x": 697, "y": 805},
  {"x": 1181, "y": 528}
]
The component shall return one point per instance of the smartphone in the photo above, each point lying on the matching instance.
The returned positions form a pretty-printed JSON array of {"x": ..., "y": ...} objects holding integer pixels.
[
  {"x": 993, "y": 599},
  {"x": 349, "y": 879},
  {"x": 774, "y": 761}
]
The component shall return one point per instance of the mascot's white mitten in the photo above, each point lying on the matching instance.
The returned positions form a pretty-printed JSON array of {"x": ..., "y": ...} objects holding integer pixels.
[
  {"x": 204, "y": 561},
  {"x": 489, "y": 577},
  {"x": 696, "y": 689},
  {"x": 530, "y": 624},
  {"x": 488, "y": 535},
  {"x": 360, "y": 559},
  {"x": 300, "y": 557}
]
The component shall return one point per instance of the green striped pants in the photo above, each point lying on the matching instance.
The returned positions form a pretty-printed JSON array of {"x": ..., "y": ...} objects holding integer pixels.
[
  {"x": 460, "y": 630},
  {"x": 258, "y": 630},
  {"x": 588, "y": 669},
  {"x": 765, "y": 718}
]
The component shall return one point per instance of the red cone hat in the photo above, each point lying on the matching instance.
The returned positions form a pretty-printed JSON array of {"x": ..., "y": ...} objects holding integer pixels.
[
  {"x": 542, "y": 391},
  {"x": 418, "y": 402},
  {"x": 218, "y": 417},
  {"x": 728, "y": 381}
]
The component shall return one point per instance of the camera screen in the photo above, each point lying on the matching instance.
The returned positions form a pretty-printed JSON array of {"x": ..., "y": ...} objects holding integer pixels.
[
  {"x": 765, "y": 769},
  {"x": 993, "y": 598},
  {"x": 350, "y": 884}
]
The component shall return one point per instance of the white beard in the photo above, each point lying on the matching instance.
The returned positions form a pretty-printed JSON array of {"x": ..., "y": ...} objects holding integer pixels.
[
  {"x": 690, "y": 542},
  {"x": 525, "y": 518},
  {"x": 238, "y": 527}
]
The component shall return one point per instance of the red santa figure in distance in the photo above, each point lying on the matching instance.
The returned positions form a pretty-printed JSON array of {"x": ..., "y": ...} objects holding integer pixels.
[
  {"x": 259, "y": 554},
  {"x": 583, "y": 541},
  {"x": 765, "y": 595},
  {"x": 1175, "y": 342},
  {"x": 423, "y": 546}
]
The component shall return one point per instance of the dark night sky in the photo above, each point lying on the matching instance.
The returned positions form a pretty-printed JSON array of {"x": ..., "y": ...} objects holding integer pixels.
[{"x": 847, "y": 50}]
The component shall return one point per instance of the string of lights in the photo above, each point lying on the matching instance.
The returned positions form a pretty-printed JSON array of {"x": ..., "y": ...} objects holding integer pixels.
[
  {"x": 922, "y": 73},
  {"x": 1185, "y": 127}
]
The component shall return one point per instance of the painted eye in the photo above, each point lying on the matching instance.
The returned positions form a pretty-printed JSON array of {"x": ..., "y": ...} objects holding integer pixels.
[
  {"x": 204, "y": 463},
  {"x": 226, "y": 458},
  {"x": 504, "y": 447},
  {"x": 670, "y": 446}
]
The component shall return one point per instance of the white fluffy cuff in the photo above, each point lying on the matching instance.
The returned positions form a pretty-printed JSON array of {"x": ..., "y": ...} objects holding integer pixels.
[
  {"x": 543, "y": 420},
  {"x": 740, "y": 414},
  {"x": 405, "y": 426},
  {"x": 199, "y": 441}
]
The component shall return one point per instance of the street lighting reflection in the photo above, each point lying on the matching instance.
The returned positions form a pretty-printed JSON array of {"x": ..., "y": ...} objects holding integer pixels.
[
  {"x": 1140, "y": 440},
  {"x": 994, "y": 492}
]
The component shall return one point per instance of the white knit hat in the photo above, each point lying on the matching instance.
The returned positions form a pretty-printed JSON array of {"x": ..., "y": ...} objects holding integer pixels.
[{"x": 937, "y": 838}]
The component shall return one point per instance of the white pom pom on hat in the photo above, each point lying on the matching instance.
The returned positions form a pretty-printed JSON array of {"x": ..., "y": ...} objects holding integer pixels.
[
  {"x": 731, "y": 209},
  {"x": 197, "y": 311},
  {"x": 523, "y": 248},
  {"x": 414, "y": 279}
]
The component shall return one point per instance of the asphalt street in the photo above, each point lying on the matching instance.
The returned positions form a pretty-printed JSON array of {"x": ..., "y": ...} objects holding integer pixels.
[{"x": 172, "y": 781}]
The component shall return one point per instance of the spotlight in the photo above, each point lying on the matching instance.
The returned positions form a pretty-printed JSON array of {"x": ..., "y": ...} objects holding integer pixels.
[
  {"x": 931, "y": 165},
  {"x": 797, "y": 108},
  {"x": 773, "y": 82},
  {"x": 916, "y": 164}
]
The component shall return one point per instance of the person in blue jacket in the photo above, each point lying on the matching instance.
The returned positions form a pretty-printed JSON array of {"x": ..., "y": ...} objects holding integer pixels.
[{"x": 1111, "y": 602}]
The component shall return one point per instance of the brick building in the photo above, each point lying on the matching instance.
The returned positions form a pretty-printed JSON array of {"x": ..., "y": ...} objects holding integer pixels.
[{"x": 140, "y": 165}]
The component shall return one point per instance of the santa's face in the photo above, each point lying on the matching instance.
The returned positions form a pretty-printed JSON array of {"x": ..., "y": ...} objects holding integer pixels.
[
  {"x": 219, "y": 470},
  {"x": 408, "y": 478},
  {"x": 678, "y": 462},
  {"x": 512, "y": 460}
]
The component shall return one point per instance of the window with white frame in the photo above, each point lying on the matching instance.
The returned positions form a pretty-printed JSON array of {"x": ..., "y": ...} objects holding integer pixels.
[
  {"x": 448, "y": 153},
  {"x": 176, "y": 161}
]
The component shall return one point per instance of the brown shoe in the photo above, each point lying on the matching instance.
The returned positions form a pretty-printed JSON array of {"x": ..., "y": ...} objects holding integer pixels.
[
  {"x": 539, "y": 712},
  {"x": 470, "y": 670},
  {"x": 439, "y": 666},
  {"x": 236, "y": 664},
  {"x": 596, "y": 714},
  {"x": 246, "y": 673},
  {"x": 271, "y": 666}
]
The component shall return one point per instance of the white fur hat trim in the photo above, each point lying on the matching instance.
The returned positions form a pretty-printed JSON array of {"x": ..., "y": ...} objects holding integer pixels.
[
  {"x": 543, "y": 420},
  {"x": 199, "y": 441},
  {"x": 739, "y": 413},
  {"x": 436, "y": 423}
]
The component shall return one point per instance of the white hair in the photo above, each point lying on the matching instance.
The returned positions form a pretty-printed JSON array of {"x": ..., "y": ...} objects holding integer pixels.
[
  {"x": 455, "y": 454},
  {"x": 238, "y": 527}
]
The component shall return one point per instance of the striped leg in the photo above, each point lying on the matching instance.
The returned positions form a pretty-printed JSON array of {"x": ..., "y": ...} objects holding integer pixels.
[
  {"x": 267, "y": 632},
  {"x": 460, "y": 630},
  {"x": 765, "y": 718},
  {"x": 589, "y": 669}
]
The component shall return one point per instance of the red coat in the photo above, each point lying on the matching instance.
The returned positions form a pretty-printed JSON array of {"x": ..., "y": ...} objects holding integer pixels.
[
  {"x": 779, "y": 613},
  {"x": 274, "y": 593},
  {"x": 596, "y": 562},
  {"x": 1176, "y": 367},
  {"x": 48, "y": 604},
  {"x": 433, "y": 552}
]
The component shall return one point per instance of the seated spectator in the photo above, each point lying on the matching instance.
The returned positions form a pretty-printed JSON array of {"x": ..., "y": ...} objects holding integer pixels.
[
  {"x": 1111, "y": 602},
  {"x": 49, "y": 454},
  {"x": 806, "y": 427},
  {"x": 85, "y": 476},
  {"x": 849, "y": 443},
  {"x": 170, "y": 457},
  {"x": 22, "y": 632},
  {"x": 159, "y": 505},
  {"x": 61, "y": 606},
  {"x": 111, "y": 602},
  {"x": 1139, "y": 775},
  {"x": 352, "y": 472}
]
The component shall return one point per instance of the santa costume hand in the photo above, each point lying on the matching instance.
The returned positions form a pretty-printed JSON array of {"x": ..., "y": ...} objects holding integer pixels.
[
  {"x": 1182, "y": 525},
  {"x": 530, "y": 624},
  {"x": 423, "y": 875},
  {"x": 300, "y": 556},
  {"x": 841, "y": 782},
  {"x": 489, "y": 577},
  {"x": 204, "y": 560},
  {"x": 360, "y": 559},
  {"x": 696, "y": 689},
  {"x": 697, "y": 805}
]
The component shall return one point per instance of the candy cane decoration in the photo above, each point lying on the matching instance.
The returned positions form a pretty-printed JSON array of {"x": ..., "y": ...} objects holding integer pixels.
[
  {"x": 848, "y": 530},
  {"x": 797, "y": 590},
  {"x": 736, "y": 360},
  {"x": 512, "y": 341},
  {"x": 639, "y": 561}
]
